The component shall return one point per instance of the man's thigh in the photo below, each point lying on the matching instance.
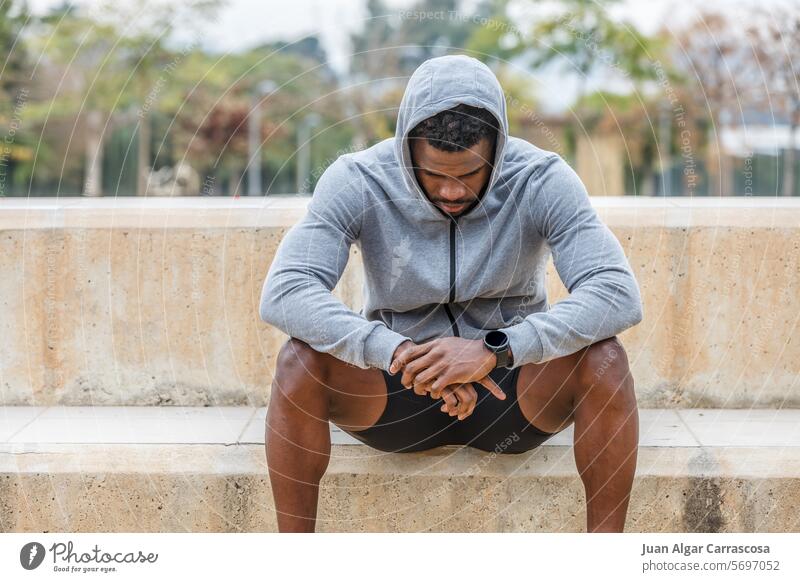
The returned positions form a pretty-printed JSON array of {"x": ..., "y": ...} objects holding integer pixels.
[
  {"x": 356, "y": 396},
  {"x": 409, "y": 422},
  {"x": 548, "y": 391}
]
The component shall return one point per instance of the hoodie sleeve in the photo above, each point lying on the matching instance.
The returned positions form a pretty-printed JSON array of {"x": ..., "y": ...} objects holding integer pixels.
[
  {"x": 297, "y": 293},
  {"x": 604, "y": 296}
]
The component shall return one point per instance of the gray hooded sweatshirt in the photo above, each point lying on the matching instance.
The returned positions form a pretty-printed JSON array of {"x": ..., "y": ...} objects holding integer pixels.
[{"x": 428, "y": 275}]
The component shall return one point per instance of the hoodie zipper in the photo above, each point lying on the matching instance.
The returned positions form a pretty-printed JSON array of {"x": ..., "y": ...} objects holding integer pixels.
[{"x": 452, "y": 277}]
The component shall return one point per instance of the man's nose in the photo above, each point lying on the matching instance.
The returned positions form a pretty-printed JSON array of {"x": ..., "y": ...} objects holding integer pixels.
[{"x": 453, "y": 190}]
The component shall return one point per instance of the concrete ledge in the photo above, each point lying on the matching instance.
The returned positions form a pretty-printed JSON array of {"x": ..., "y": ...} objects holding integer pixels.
[
  {"x": 728, "y": 471},
  {"x": 282, "y": 211},
  {"x": 143, "y": 301}
]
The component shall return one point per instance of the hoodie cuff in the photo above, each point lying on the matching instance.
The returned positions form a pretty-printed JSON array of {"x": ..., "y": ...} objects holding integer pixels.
[
  {"x": 525, "y": 343},
  {"x": 380, "y": 345}
]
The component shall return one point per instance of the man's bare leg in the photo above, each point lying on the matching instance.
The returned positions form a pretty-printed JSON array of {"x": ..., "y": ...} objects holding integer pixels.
[
  {"x": 593, "y": 388},
  {"x": 309, "y": 389}
]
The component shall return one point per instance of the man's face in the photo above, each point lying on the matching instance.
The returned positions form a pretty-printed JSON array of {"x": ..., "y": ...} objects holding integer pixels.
[{"x": 453, "y": 181}]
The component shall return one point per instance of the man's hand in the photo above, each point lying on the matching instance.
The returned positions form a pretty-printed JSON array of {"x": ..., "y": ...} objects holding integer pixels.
[{"x": 446, "y": 364}]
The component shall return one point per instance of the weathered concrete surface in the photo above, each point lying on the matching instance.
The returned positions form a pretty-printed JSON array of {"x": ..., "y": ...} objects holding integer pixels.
[
  {"x": 154, "y": 301},
  {"x": 151, "y": 488},
  {"x": 204, "y": 469}
]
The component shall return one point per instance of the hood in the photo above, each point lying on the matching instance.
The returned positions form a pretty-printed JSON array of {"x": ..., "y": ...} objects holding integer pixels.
[{"x": 442, "y": 83}]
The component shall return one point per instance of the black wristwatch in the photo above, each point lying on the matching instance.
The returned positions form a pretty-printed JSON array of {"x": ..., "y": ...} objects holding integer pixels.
[{"x": 497, "y": 341}]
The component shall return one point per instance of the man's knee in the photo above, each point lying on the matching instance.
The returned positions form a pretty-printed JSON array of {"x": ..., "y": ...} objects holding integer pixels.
[
  {"x": 297, "y": 359},
  {"x": 605, "y": 365}
]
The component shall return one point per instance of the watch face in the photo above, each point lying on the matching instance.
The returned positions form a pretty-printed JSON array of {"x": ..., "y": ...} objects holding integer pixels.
[{"x": 498, "y": 340}]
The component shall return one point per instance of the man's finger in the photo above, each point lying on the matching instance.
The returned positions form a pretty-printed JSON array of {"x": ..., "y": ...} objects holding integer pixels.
[
  {"x": 437, "y": 386},
  {"x": 432, "y": 364},
  {"x": 466, "y": 400},
  {"x": 421, "y": 389},
  {"x": 442, "y": 381},
  {"x": 411, "y": 353},
  {"x": 450, "y": 400},
  {"x": 414, "y": 368},
  {"x": 492, "y": 387}
]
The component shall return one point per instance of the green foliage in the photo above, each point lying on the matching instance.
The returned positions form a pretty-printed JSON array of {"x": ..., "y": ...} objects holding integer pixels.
[
  {"x": 495, "y": 38},
  {"x": 13, "y": 16},
  {"x": 586, "y": 39}
]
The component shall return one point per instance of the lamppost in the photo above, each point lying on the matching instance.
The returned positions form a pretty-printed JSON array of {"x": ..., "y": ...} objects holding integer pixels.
[
  {"x": 265, "y": 87},
  {"x": 304, "y": 150}
]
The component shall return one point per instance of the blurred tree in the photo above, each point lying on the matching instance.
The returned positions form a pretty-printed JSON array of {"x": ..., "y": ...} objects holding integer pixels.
[
  {"x": 143, "y": 51},
  {"x": 639, "y": 117},
  {"x": 212, "y": 98},
  {"x": 396, "y": 42},
  {"x": 14, "y": 91},
  {"x": 80, "y": 51},
  {"x": 378, "y": 34},
  {"x": 775, "y": 38},
  {"x": 112, "y": 61},
  {"x": 495, "y": 38},
  {"x": 583, "y": 37},
  {"x": 14, "y": 16},
  {"x": 447, "y": 29},
  {"x": 308, "y": 47},
  {"x": 714, "y": 59},
  {"x": 497, "y": 41},
  {"x": 631, "y": 116}
]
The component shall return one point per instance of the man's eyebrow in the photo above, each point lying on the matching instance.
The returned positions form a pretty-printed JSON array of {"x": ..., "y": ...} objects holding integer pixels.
[{"x": 424, "y": 169}]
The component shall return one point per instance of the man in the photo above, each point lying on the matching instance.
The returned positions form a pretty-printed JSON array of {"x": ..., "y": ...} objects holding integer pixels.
[{"x": 457, "y": 343}]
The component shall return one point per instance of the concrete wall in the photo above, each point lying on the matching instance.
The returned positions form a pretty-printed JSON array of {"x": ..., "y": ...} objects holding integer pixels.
[{"x": 155, "y": 301}]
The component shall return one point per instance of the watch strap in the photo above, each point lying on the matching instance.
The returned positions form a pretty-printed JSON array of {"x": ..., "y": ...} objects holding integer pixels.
[{"x": 503, "y": 358}]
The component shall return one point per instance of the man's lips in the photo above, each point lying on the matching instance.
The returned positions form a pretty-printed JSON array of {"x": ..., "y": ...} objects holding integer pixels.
[{"x": 452, "y": 207}]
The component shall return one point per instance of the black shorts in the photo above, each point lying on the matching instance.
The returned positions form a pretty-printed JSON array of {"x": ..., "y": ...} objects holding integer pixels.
[{"x": 412, "y": 423}]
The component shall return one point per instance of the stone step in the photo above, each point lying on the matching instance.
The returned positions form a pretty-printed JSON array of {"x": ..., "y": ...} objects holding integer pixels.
[{"x": 151, "y": 469}]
